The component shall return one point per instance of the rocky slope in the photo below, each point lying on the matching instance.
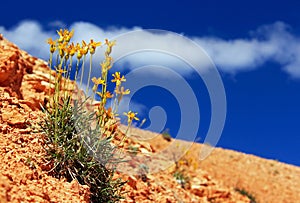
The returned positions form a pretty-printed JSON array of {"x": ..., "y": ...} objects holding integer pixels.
[
  {"x": 269, "y": 181},
  {"x": 24, "y": 82}
]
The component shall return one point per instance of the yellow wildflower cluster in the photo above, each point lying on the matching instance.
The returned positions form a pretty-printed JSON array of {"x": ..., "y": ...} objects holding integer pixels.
[
  {"x": 188, "y": 160},
  {"x": 66, "y": 50},
  {"x": 131, "y": 116},
  {"x": 118, "y": 79}
]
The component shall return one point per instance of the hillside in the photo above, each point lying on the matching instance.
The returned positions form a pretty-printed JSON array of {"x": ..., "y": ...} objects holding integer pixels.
[{"x": 24, "y": 82}]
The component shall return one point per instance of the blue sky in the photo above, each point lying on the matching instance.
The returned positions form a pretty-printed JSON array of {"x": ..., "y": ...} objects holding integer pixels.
[{"x": 255, "y": 46}]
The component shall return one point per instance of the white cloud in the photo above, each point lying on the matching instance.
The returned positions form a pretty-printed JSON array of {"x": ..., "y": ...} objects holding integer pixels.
[
  {"x": 273, "y": 43},
  {"x": 57, "y": 24},
  {"x": 269, "y": 43},
  {"x": 30, "y": 36}
]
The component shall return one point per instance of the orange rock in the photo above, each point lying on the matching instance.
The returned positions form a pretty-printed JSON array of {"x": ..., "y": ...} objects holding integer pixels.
[
  {"x": 132, "y": 182},
  {"x": 13, "y": 117}
]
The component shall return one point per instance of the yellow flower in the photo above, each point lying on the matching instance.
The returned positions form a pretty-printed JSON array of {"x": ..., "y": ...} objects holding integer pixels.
[
  {"x": 69, "y": 35},
  {"x": 77, "y": 47},
  {"x": 98, "y": 81},
  {"x": 62, "y": 47},
  {"x": 84, "y": 48},
  {"x": 79, "y": 51},
  {"x": 50, "y": 41},
  {"x": 65, "y": 35},
  {"x": 109, "y": 113},
  {"x": 109, "y": 46},
  {"x": 61, "y": 35},
  {"x": 52, "y": 44},
  {"x": 61, "y": 71},
  {"x": 106, "y": 65},
  {"x": 122, "y": 91},
  {"x": 106, "y": 95},
  {"x": 131, "y": 116},
  {"x": 110, "y": 43},
  {"x": 93, "y": 45},
  {"x": 118, "y": 79},
  {"x": 71, "y": 49}
]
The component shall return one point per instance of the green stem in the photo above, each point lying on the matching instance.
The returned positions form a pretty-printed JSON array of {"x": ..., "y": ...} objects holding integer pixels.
[
  {"x": 70, "y": 68},
  {"x": 115, "y": 105},
  {"x": 68, "y": 74},
  {"x": 126, "y": 132},
  {"x": 56, "y": 98},
  {"x": 50, "y": 75},
  {"x": 82, "y": 71},
  {"x": 103, "y": 98},
  {"x": 76, "y": 73},
  {"x": 89, "y": 77},
  {"x": 65, "y": 75}
]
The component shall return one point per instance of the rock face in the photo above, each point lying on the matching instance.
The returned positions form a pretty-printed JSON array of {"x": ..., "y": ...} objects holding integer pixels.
[
  {"x": 25, "y": 77},
  {"x": 23, "y": 170},
  {"x": 12, "y": 67},
  {"x": 24, "y": 82},
  {"x": 24, "y": 85},
  {"x": 22, "y": 75}
]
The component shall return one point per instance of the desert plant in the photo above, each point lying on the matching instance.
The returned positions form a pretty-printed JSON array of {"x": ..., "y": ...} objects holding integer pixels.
[
  {"x": 247, "y": 194},
  {"x": 80, "y": 154},
  {"x": 30, "y": 163},
  {"x": 166, "y": 135},
  {"x": 182, "y": 178},
  {"x": 143, "y": 170},
  {"x": 79, "y": 142},
  {"x": 132, "y": 150},
  {"x": 181, "y": 164}
]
